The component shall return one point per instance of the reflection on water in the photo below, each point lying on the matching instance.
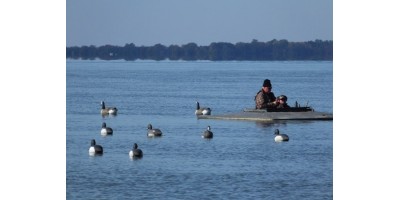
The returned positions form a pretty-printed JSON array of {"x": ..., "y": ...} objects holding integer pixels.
[
  {"x": 263, "y": 124},
  {"x": 108, "y": 115}
]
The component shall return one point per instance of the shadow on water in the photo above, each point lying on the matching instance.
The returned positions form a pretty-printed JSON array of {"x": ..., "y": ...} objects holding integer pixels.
[{"x": 267, "y": 124}]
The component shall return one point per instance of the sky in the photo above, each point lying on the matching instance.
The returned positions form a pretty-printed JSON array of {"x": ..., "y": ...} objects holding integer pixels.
[{"x": 150, "y": 22}]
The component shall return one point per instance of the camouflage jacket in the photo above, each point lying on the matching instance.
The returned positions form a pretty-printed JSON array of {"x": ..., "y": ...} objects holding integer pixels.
[{"x": 264, "y": 100}]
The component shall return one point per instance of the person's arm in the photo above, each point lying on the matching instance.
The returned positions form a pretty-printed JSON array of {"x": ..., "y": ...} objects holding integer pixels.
[
  {"x": 260, "y": 101},
  {"x": 272, "y": 101},
  {"x": 272, "y": 104}
]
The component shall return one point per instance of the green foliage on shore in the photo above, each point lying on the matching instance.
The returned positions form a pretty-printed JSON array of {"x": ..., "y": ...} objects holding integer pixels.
[{"x": 216, "y": 51}]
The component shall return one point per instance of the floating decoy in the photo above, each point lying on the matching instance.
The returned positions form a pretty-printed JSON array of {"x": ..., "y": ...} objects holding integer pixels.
[
  {"x": 202, "y": 111},
  {"x": 95, "y": 149},
  {"x": 280, "y": 137},
  {"x": 106, "y": 130},
  {"x": 153, "y": 132},
  {"x": 108, "y": 110},
  {"x": 135, "y": 152},
  {"x": 207, "y": 133}
]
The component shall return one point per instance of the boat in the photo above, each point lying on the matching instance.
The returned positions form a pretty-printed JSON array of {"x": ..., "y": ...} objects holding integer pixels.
[{"x": 271, "y": 114}]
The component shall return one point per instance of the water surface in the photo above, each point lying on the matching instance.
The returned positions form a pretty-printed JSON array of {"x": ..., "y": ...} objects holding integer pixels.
[{"x": 242, "y": 161}]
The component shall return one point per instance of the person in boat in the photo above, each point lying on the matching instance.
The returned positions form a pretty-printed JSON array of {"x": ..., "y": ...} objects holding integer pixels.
[
  {"x": 282, "y": 99},
  {"x": 265, "y": 98}
]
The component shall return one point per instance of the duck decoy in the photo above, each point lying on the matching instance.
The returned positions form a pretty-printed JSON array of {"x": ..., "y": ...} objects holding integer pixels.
[
  {"x": 95, "y": 149},
  {"x": 207, "y": 133},
  {"x": 135, "y": 152},
  {"x": 280, "y": 137},
  {"x": 106, "y": 130},
  {"x": 202, "y": 111},
  {"x": 153, "y": 132},
  {"x": 108, "y": 110}
]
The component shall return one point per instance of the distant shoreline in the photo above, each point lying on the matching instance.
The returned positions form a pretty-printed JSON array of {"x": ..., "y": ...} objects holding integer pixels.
[{"x": 274, "y": 50}]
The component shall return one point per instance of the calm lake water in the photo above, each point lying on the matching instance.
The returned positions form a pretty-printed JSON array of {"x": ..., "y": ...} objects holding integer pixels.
[{"x": 242, "y": 161}]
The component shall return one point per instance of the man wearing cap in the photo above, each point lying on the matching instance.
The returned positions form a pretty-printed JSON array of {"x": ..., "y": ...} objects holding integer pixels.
[{"x": 265, "y": 98}]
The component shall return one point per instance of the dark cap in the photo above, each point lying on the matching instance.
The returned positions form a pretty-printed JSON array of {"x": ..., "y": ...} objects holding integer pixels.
[{"x": 267, "y": 83}]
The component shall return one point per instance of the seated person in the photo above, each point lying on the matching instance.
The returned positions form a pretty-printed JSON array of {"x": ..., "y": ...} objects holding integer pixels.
[
  {"x": 265, "y": 98},
  {"x": 282, "y": 102}
]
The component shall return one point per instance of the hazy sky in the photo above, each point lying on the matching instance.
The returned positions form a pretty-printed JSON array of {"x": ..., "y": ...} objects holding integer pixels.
[{"x": 101, "y": 22}]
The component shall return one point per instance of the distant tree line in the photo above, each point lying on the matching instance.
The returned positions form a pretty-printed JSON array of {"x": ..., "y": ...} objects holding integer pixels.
[{"x": 216, "y": 51}]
